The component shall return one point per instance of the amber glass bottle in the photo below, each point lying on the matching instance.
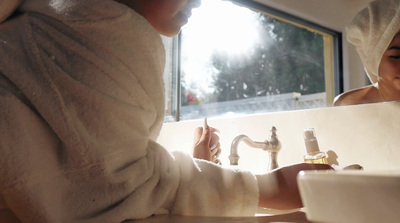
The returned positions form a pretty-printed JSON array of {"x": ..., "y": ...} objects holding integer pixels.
[{"x": 314, "y": 155}]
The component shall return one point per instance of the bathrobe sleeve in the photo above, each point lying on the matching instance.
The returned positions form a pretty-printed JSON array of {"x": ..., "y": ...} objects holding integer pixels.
[{"x": 82, "y": 103}]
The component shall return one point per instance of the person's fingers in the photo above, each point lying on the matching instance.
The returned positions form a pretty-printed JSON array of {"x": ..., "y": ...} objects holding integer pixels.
[
  {"x": 206, "y": 135},
  {"x": 218, "y": 152},
  {"x": 215, "y": 157},
  {"x": 202, "y": 135},
  {"x": 198, "y": 132},
  {"x": 201, "y": 149},
  {"x": 206, "y": 143},
  {"x": 314, "y": 166},
  {"x": 215, "y": 148},
  {"x": 214, "y": 137},
  {"x": 216, "y": 145},
  {"x": 306, "y": 166}
]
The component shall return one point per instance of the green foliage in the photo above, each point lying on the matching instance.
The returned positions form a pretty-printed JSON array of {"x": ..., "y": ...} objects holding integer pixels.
[{"x": 289, "y": 60}]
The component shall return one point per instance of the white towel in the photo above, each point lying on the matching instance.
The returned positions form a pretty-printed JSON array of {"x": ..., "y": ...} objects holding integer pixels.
[
  {"x": 82, "y": 103},
  {"x": 372, "y": 30}
]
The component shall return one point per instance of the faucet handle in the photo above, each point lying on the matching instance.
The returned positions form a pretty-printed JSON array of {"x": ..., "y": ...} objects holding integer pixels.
[{"x": 274, "y": 143}]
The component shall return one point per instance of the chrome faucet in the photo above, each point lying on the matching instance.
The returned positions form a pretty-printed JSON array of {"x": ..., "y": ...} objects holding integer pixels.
[{"x": 272, "y": 146}]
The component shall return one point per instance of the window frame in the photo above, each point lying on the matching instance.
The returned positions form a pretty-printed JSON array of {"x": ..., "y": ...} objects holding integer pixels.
[{"x": 333, "y": 84}]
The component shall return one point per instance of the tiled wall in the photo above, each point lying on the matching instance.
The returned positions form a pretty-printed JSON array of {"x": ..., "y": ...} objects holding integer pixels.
[{"x": 368, "y": 135}]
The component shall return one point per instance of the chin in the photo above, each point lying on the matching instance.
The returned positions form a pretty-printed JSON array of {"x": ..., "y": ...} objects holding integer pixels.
[{"x": 170, "y": 33}]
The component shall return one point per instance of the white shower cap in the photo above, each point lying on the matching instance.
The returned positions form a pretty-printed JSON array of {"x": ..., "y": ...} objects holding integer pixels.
[
  {"x": 372, "y": 30},
  {"x": 7, "y": 7}
]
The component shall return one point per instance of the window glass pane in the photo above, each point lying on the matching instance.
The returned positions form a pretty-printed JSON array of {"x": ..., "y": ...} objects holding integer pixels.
[{"x": 243, "y": 61}]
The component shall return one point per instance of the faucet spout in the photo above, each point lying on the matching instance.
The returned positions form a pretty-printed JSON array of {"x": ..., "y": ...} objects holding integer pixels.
[
  {"x": 234, "y": 156},
  {"x": 272, "y": 146}
]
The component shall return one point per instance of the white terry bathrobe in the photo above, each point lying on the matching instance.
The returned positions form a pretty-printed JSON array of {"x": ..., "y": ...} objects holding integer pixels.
[{"x": 81, "y": 105}]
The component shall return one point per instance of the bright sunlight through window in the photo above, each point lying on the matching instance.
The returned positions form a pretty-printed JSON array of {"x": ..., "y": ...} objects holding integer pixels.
[
  {"x": 209, "y": 31},
  {"x": 236, "y": 60}
]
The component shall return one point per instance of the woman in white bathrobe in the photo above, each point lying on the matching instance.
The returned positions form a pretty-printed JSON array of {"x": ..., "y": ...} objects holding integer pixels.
[
  {"x": 82, "y": 103},
  {"x": 374, "y": 31}
]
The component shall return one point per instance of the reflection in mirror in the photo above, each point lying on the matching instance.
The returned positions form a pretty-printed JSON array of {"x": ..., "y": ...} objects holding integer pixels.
[
  {"x": 252, "y": 59},
  {"x": 375, "y": 32}
]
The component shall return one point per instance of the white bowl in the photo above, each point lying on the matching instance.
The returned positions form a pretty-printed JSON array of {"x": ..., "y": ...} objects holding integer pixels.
[{"x": 354, "y": 196}]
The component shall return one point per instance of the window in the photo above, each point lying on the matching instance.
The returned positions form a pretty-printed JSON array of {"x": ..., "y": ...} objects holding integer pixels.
[{"x": 249, "y": 59}]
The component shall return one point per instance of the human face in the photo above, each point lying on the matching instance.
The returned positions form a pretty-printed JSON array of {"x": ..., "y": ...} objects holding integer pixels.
[
  {"x": 166, "y": 16},
  {"x": 389, "y": 69}
]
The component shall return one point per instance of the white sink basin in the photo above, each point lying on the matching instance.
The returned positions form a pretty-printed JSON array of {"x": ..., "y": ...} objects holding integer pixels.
[{"x": 353, "y": 196}]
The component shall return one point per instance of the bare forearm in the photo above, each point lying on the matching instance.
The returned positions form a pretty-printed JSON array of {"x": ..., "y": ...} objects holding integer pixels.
[
  {"x": 279, "y": 190},
  {"x": 275, "y": 194}
]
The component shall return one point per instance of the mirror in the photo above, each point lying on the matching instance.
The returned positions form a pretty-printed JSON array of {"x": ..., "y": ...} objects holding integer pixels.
[{"x": 243, "y": 57}]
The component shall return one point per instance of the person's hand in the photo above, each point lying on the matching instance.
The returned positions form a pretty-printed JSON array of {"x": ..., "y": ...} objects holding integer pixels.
[
  {"x": 279, "y": 189},
  {"x": 206, "y": 143}
]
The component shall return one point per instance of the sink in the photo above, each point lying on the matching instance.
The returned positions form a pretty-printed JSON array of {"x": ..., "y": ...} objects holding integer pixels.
[{"x": 353, "y": 196}]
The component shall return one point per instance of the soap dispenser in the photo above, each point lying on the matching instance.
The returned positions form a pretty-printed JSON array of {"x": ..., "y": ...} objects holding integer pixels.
[{"x": 314, "y": 155}]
